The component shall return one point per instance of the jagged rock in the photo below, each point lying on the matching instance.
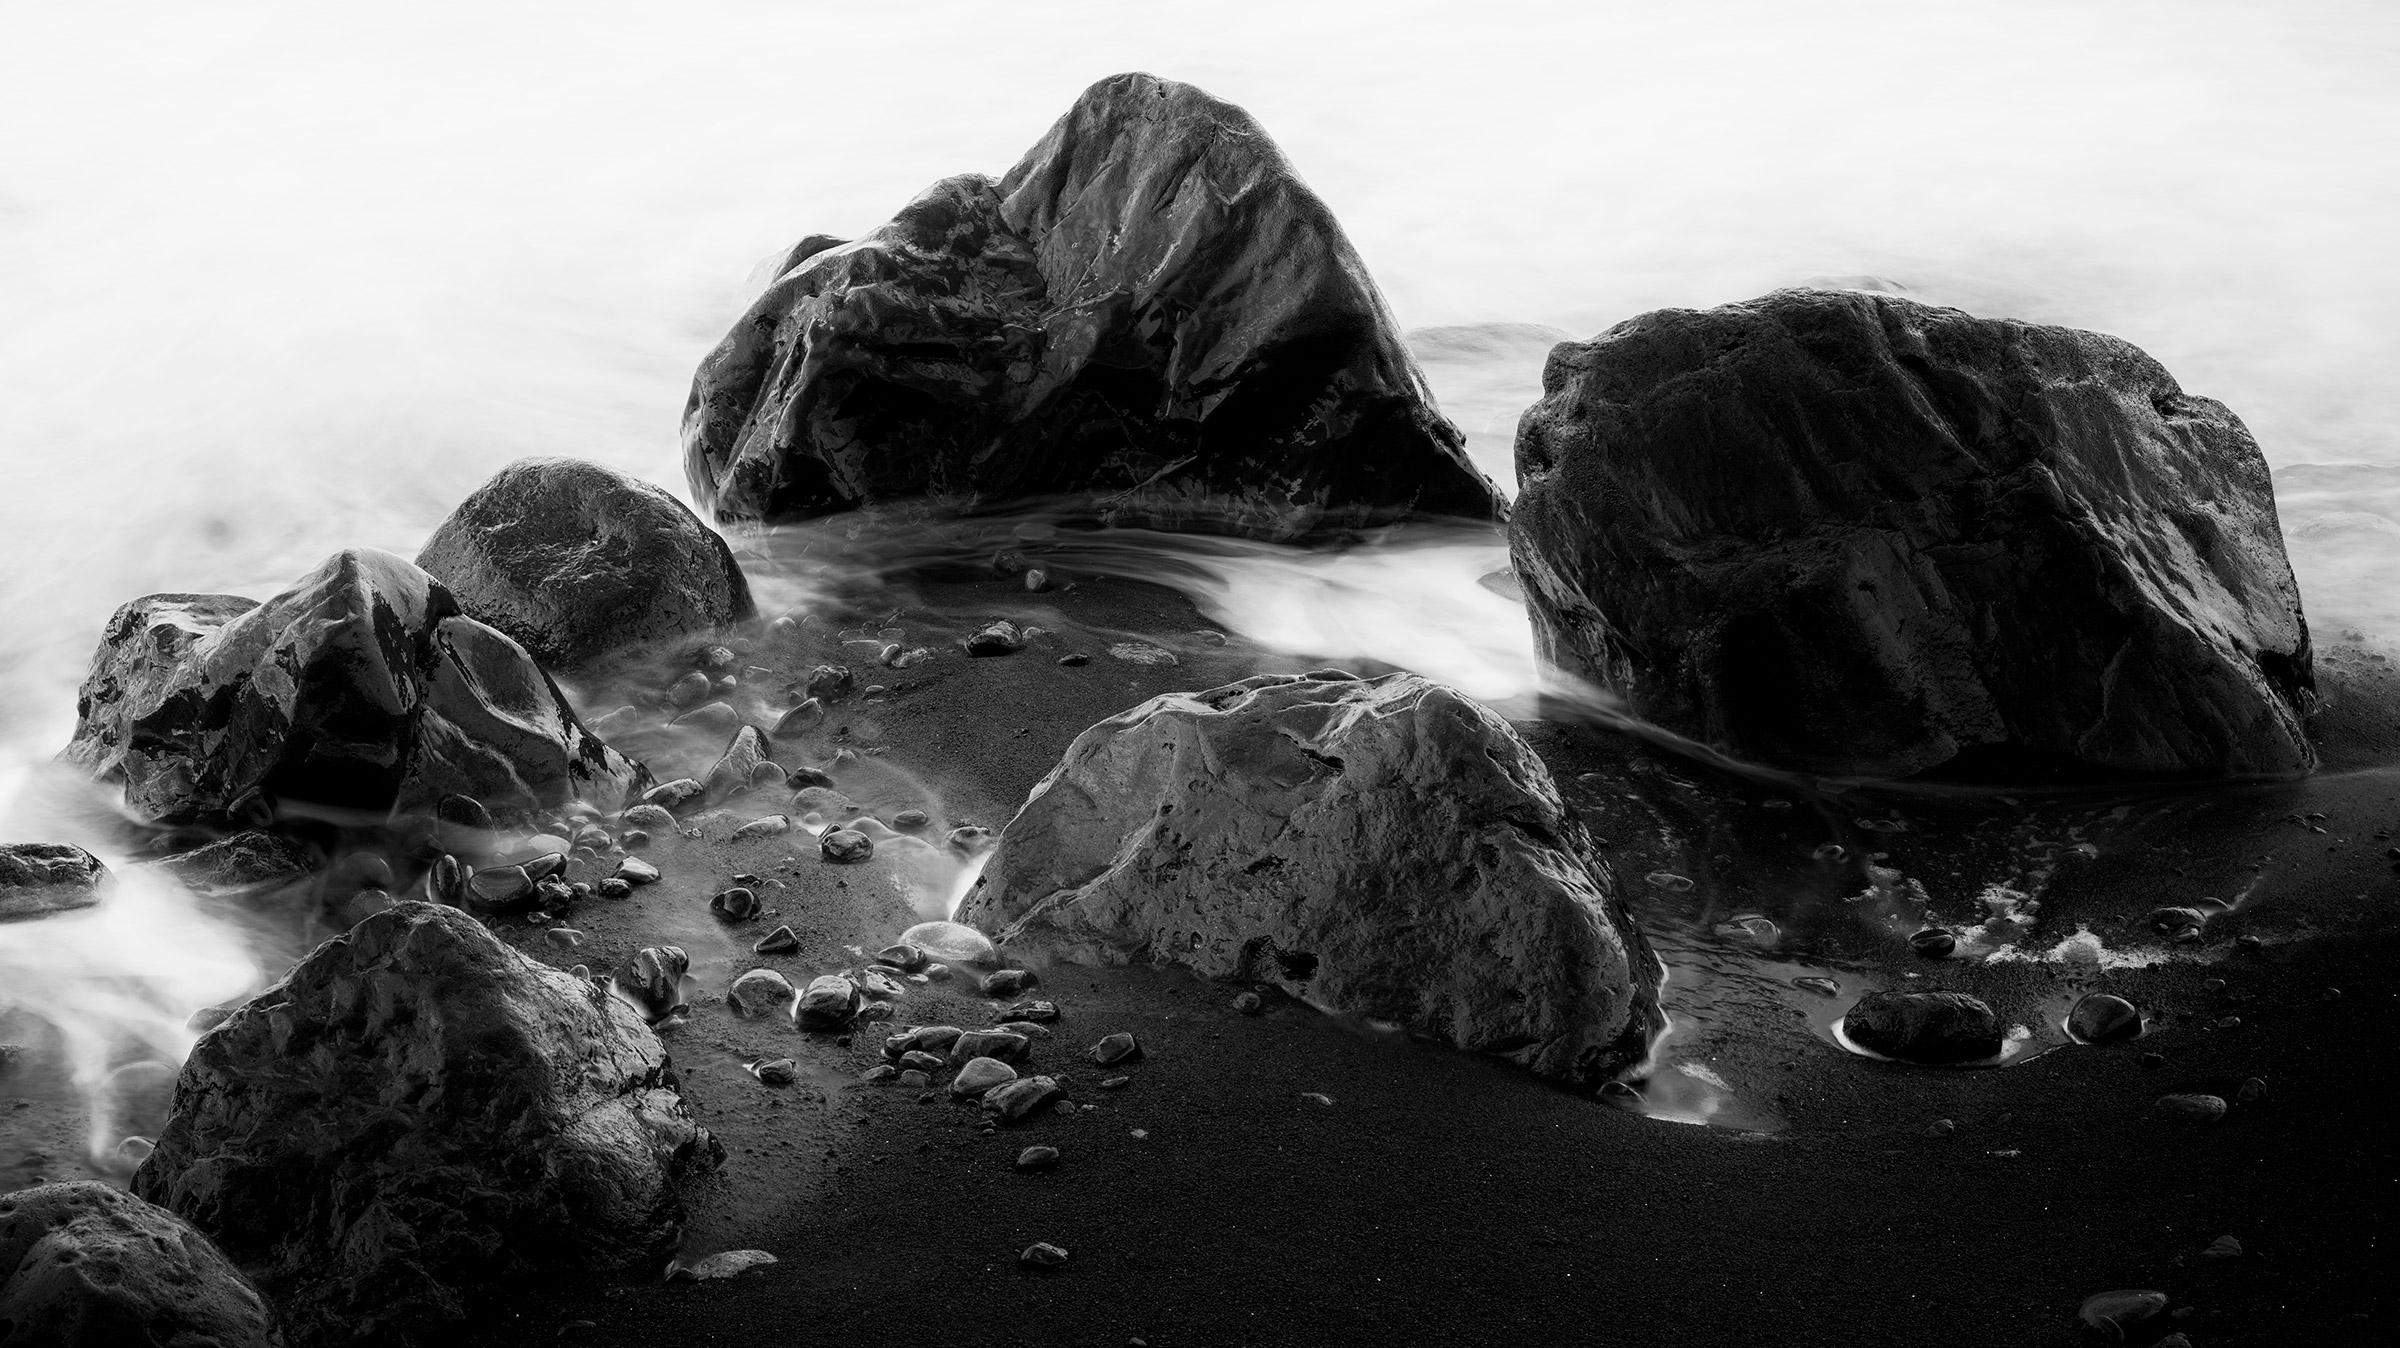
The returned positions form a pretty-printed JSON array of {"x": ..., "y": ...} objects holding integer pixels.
[
  {"x": 1386, "y": 846},
  {"x": 575, "y": 560},
  {"x": 251, "y": 860},
  {"x": 416, "y": 1111},
  {"x": 652, "y": 981},
  {"x": 1846, "y": 532},
  {"x": 1937, "y": 1027},
  {"x": 361, "y": 688},
  {"x": 85, "y": 1265},
  {"x": 1150, "y": 311},
  {"x": 37, "y": 879},
  {"x": 734, "y": 769}
]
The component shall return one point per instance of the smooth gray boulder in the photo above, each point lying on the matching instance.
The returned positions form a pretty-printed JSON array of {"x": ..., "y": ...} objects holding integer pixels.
[
  {"x": 38, "y": 879},
  {"x": 1841, "y": 531},
  {"x": 362, "y": 688},
  {"x": 87, "y": 1265},
  {"x": 417, "y": 1112},
  {"x": 1384, "y": 846},
  {"x": 575, "y": 561},
  {"x": 1150, "y": 315}
]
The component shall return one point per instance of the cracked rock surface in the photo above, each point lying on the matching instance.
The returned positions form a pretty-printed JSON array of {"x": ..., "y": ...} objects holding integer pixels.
[
  {"x": 1384, "y": 847},
  {"x": 1846, "y": 532},
  {"x": 415, "y": 1112}
]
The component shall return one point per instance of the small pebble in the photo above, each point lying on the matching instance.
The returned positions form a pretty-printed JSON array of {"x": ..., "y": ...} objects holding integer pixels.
[
  {"x": 2112, "y": 1313},
  {"x": 773, "y": 825},
  {"x": 1037, "y": 580},
  {"x": 1317, "y": 1098},
  {"x": 1115, "y": 1083},
  {"x": 916, "y": 1079},
  {"x": 737, "y": 904},
  {"x": 2223, "y": 1247},
  {"x": 1120, "y": 1047},
  {"x": 1934, "y": 943},
  {"x": 635, "y": 871},
  {"x": 565, "y": 938},
  {"x": 1942, "y": 1128},
  {"x": 1669, "y": 881},
  {"x": 801, "y": 718},
  {"x": 1249, "y": 1004},
  {"x": 760, "y": 992},
  {"x": 768, "y": 777},
  {"x": 2103, "y": 1018},
  {"x": 1074, "y": 658},
  {"x": 980, "y": 1075},
  {"x": 613, "y": 888},
  {"x": 917, "y": 1060},
  {"x": 1006, "y": 982},
  {"x": 776, "y": 1071},
  {"x": 880, "y": 1073},
  {"x": 1037, "y": 1158},
  {"x": 2192, "y": 1108},
  {"x": 909, "y": 821},
  {"x": 1042, "y": 1255},
  {"x": 781, "y": 941},
  {"x": 844, "y": 846},
  {"x": 688, "y": 691},
  {"x": 2251, "y": 1091},
  {"x": 1039, "y": 1013}
]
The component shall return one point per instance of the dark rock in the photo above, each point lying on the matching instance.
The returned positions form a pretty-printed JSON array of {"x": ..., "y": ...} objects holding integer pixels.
[
  {"x": 2190, "y": 1108},
  {"x": 1006, "y": 982},
  {"x": 1019, "y": 1100},
  {"x": 1150, "y": 311},
  {"x": 1935, "y": 1027},
  {"x": 1038, "y": 1158},
  {"x": 688, "y": 692},
  {"x": 2101, "y": 1018},
  {"x": 674, "y": 795},
  {"x": 738, "y": 766},
  {"x": 1934, "y": 943},
  {"x": 1001, "y": 1045},
  {"x": 978, "y": 1075},
  {"x": 781, "y": 941},
  {"x": 903, "y": 956},
  {"x": 37, "y": 879},
  {"x": 880, "y": 1073},
  {"x": 776, "y": 1071},
  {"x": 85, "y": 1265},
  {"x": 925, "y": 1039},
  {"x": 1037, "y": 1012},
  {"x": 845, "y": 845},
  {"x": 416, "y": 1112},
  {"x": 1117, "y": 1048},
  {"x": 1385, "y": 846},
  {"x": 652, "y": 981},
  {"x": 737, "y": 904},
  {"x": 575, "y": 560},
  {"x": 830, "y": 1003},
  {"x": 362, "y": 688},
  {"x": 829, "y": 683},
  {"x": 614, "y": 888},
  {"x": 1846, "y": 532},
  {"x": 999, "y": 638},
  {"x": 1074, "y": 659},
  {"x": 1042, "y": 1255},
  {"x": 1249, "y": 1003}
]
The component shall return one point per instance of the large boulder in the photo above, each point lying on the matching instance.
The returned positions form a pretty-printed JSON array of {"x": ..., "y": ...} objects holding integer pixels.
[
  {"x": 85, "y": 1265},
  {"x": 362, "y": 688},
  {"x": 1384, "y": 847},
  {"x": 415, "y": 1112},
  {"x": 575, "y": 561},
  {"x": 1150, "y": 314},
  {"x": 38, "y": 879},
  {"x": 1847, "y": 532}
]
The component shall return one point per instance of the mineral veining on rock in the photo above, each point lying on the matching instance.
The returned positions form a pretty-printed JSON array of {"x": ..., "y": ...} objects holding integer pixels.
[
  {"x": 1384, "y": 846},
  {"x": 416, "y": 1111},
  {"x": 1847, "y": 532},
  {"x": 575, "y": 560},
  {"x": 1149, "y": 312}
]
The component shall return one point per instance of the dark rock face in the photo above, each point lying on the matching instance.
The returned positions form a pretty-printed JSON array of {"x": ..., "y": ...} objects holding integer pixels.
[
  {"x": 253, "y": 857},
  {"x": 37, "y": 879},
  {"x": 360, "y": 688},
  {"x": 1150, "y": 313},
  {"x": 84, "y": 1265},
  {"x": 1935, "y": 1027},
  {"x": 1848, "y": 532},
  {"x": 1382, "y": 846},
  {"x": 416, "y": 1111},
  {"x": 574, "y": 560}
]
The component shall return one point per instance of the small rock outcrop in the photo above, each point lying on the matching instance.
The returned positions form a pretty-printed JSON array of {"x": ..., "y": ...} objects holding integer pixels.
[
  {"x": 38, "y": 879},
  {"x": 1384, "y": 846},
  {"x": 1847, "y": 532},
  {"x": 86, "y": 1265},
  {"x": 575, "y": 560},
  {"x": 1150, "y": 315},
  {"x": 415, "y": 1112},
  {"x": 361, "y": 688}
]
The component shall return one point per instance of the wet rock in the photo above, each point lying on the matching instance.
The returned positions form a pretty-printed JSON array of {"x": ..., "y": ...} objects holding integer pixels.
[
  {"x": 737, "y": 904},
  {"x": 732, "y": 772},
  {"x": 769, "y": 777},
  {"x": 979, "y": 1075},
  {"x": 716, "y": 718},
  {"x": 999, "y": 638},
  {"x": 725, "y": 1264},
  {"x": 925, "y": 1039},
  {"x": 1006, "y": 982},
  {"x": 908, "y": 958},
  {"x": 760, "y": 992},
  {"x": 781, "y": 941},
  {"x": 2177, "y": 920},
  {"x": 38, "y": 879},
  {"x": 635, "y": 871},
  {"x": 2103, "y": 1018},
  {"x": 688, "y": 691},
  {"x": 1000, "y": 1044},
  {"x": 2189, "y": 1108},
  {"x": 936, "y": 973},
  {"x": 969, "y": 839},
  {"x": 1038, "y": 1012},
  {"x": 652, "y": 981},
  {"x": 1038, "y": 1158},
  {"x": 773, "y": 826},
  {"x": 501, "y": 886},
  {"x": 1042, "y": 1255},
  {"x": 910, "y": 821},
  {"x": 878, "y": 983},
  {"x": 801, "y": 719},
  {"x": 1120, "y": 1047},
  {"x": 674, "y": 795},
  {"x": 845, "y": 846},
  {"x": 86, "y": 1265},
  {"x": 472, "y": 1116},
  {"x": 830, "y": 1003},
  {"x": 1933, "y": 1027},
  {"x": 830, "y": 683},
  {"x": 362, "y": 688},
  {"x": 1385, "y": 846},
  {"x": 614, "y": 888},
  {"x": 953, "y": 941},
  {"x": 2112, "y": 1314},
  {"x": 1019, "y": 1100},
  {"x": 653, "y": 818},
  {"x": 576, "y": 560},
  {"x": 1934, "y": 943},
  {"x": 1150, "y": 313},
  {"x": 776, "y": 1071},
  {"x": 1846, "y": 532}
]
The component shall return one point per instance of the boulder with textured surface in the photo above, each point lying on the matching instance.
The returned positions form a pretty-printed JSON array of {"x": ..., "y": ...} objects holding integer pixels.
[
  {"x": 1938, "y": 1027},
  {"x": 1385, "y": 847},
  {"x": 85, "y": 1265},
  {"x": 1150, "y": 313},
  {"x": 361, "y": 688},
  {"x": 575, "y": 560},
  {"x": 415, "y": 1112},
  {"x": 38, "y": 879},
  {"x": 1846, "y": 532}
]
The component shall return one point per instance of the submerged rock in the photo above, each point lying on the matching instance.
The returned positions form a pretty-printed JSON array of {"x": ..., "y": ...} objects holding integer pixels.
[
  {"x": 575, "y": 560},
  {"x": 1933, "y": 1027},
  {"x": 1150, "y": 312},
  {"x": 416, "y": 1111},
  {"x": 38, "y": 879},
  {"x": 1385, "y": 846},
  {"x": 361, "y": 688},
  {"x": 1846, "y": 532},
  {"x": 86, "y": 1265}
]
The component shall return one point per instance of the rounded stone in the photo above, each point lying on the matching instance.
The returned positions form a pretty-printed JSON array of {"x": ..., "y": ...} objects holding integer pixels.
[
  {"x": 1934, "y": 943},
  {"x": 953, "y": 941},
  {"x": 760, "y": 992},
  {"x": 1931, "y": 1027},
  {"x": 979, "y": 1075},
  {"x": 845, "y": 846},
  {"x": 1037, "y": 1158},
  {"x": 2103, "y": 1018}
]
